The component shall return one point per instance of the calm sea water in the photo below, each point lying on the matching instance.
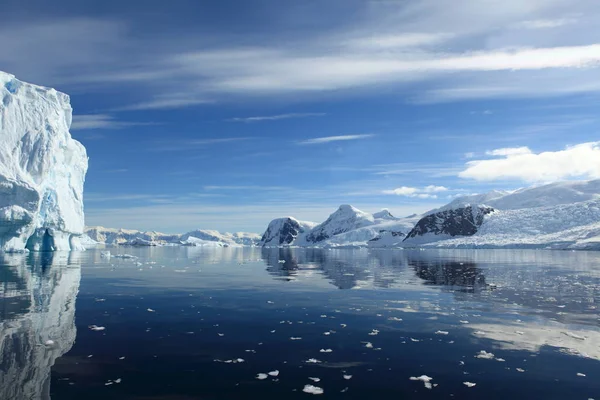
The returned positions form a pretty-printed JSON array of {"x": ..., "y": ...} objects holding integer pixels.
[{"x": 190, "y": 323}]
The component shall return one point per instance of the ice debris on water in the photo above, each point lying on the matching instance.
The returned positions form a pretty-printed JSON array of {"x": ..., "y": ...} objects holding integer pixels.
[
  {"x": 96, "y": 328},
  {"x": 313, "y": 361},
  {"x": 374, "y": 332},
  {"x": 580, "y": 374},
  {"x": 295, "y": 338},
  {"x": 314, "y": 379},
  {"x": 520, "y": 369},
  {"x": 469, "y": 384},
  {"x": 325, "y": 350},
  {"x": 312, "y": 389},
  {"x": 261, "y": 376},
  {"x": 423, "y": 378},
  {"x": 151, "y": 310},
  {"x": 369, "y": 345},
  {"x": 485, "y": 355},
  {"x": 441, "y": 332},
  {"x": 274, "y": 373},
  {"x": 347, "y": 377}
]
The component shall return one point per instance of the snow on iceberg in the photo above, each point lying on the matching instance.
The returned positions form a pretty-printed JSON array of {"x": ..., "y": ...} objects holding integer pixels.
[{"x": 42, "y": 169}]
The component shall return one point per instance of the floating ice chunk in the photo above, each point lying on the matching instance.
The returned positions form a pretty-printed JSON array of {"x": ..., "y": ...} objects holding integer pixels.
[
  {"x": 479, "y": 333},
  {"x": 441, "y": 332},
  {"x": 240, "y": 360},
  {"x": 423, "y": 378},
  {"x": 261, "y": 376},
  {"x": 326, "y": 350},
  {"x": 312, "y": 389},
  {"x": 394, "y": 319},
  {"x": 580, "y": 374},
  {"x": 347, "y": 377},
  {"x": 270, "y": 302},
  {"x": 295, "y": 338},
  {"x": 464, "y": 322},
  {"x": 500, "y": 359},
  {"x": 281, "y": 261},
  {"x": 124, "y": 256},
  {"x": 344, "y": 390},
  {"x": 108, "y": 383},
  {"x": 151, "y": 310},
  {"x": 469, "y": 384},
  {"x": 96, "y": 328},
  {"x": 369, "y": 345},
  {"x": 374, "y": 332},
  {"x": 117, "y": 380},
  {"x": 313, "y": 361},
  {"x": 221, "y": 334},
  {"x": 414, "y": 340},
  {"x": 121, "y": 358},
  {"x": 274, "y": 373},
  {"x": 314, "y": 379},
  {"x": 485, "y": 355},
  {"x": 343, "y": 325},
  {"x": 520, "y": 369}
]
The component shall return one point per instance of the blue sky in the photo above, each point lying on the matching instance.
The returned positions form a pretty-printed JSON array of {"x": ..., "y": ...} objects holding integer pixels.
[{"x": 224, "y": 115}]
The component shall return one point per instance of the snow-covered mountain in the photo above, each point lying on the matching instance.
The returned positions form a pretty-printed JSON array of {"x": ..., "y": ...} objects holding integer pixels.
[
  {"x": 285, "y": 232},
  {"x": 42, "y": 169},
  {"x": 345, "y": 219},
  {"x": 562, "y": 215},
  {"x": 128, "y": 237},
  {"x": 346, "y": 227}
]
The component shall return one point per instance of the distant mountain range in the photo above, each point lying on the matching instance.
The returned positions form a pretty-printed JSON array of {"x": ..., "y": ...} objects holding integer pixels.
[{"x": 563, "y": 215}]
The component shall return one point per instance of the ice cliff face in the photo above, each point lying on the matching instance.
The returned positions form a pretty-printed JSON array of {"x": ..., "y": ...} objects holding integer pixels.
[{"x": 42, "y": 169}]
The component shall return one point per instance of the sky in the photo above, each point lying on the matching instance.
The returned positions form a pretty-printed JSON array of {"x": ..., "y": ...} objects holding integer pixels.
[{"x": 226, "y": 114}]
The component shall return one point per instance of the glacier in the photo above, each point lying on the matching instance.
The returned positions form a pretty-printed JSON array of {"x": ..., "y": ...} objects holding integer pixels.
[{"x": 42, "y": 170}]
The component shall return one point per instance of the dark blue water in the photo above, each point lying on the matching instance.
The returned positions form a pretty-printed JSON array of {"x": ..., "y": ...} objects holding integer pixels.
[{"x": 191, "y": 323}]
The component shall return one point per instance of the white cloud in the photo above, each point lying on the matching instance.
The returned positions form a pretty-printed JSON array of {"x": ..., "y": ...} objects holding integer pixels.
[
  {"x": 579, "y": 161},
  {"x": 100, "y": 121},
  {"x": 276, "y": 117},
  {"x": 427, "y": 192},
  {"x": 329, "y": 139},
  {"x": 509, "y": 151}
]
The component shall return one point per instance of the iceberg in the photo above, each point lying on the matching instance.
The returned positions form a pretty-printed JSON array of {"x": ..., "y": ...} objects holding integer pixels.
[{"x": 42, "y": 170}]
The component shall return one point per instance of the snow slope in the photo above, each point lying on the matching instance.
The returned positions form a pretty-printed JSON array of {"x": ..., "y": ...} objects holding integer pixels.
[{"x": 42, "y": 169}]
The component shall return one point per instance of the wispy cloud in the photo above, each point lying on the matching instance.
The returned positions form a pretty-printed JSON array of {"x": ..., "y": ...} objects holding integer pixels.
[
  {"x": 101, "y": 121},
  {"x": 183, "y": 145},
  {"x": 546, "y": 23},
  {"x": 276, "y": 117},
  {"x": 467, "y": 51},
  {"x": 329, "y": 139}
]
